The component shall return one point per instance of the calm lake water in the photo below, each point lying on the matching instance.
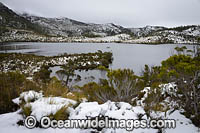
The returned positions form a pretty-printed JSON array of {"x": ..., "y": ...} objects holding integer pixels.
[{"x": 133, "y": 56}]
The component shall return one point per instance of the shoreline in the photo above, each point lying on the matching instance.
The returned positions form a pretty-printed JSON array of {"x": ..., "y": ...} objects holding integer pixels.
[{"x": 114, "y": 42}]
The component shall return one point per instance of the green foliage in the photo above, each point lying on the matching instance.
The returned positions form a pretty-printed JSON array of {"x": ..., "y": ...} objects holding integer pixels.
[
  {"x": 102, "y": 68},
  {"x": 155, "y": 100},
  {"x": 182, "y": 28},
  {"x": 43, "y": 75},
  {"x": 61, "y": 114},
  {"x": 3, "y": 30},
  {"x": 55, "y": 88},
  {"x": 26, "y": 63},
  {"x": 181, "y": 50},
  {"x": 106, "y": 59},
  {"x": 26, "y": 110},
  {"x": 152, "y": 76},
  {"x": 182, "y": 64},
  {"x": 121, "y": 85},
  {"x": 182, "y": 69},
  {"x": 13, "y": 20},
  {"x": 11, "y": 84},
  {"x": 98, "y": 92},
  {"x": 90, "y": 35},
  {"x": 198, "y": 39},
  {"x": 67, "y": 71}
]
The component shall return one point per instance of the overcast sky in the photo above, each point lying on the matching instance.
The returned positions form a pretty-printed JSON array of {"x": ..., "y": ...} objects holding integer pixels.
[{"x": 128, "y": 13}]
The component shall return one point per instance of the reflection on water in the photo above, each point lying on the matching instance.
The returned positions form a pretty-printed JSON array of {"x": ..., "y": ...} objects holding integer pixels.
[
  {"x": 16, "y": 47},
  {"x": 133, "y": 56},
  {"x": 86, "y": 76}
]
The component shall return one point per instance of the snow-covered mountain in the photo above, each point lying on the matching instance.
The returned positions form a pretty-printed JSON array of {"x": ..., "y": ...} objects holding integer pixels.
[
  {"x": 11, "y": 20},
  {"x": 156, "y": 34},
  {"x": 69, "y": 27},
  {"x": 25, "y": 27},
  {"x": 145, "y": 31}
]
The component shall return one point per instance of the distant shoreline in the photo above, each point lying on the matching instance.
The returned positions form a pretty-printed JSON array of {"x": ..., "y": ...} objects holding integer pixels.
[{"x": 9, "y": 42}]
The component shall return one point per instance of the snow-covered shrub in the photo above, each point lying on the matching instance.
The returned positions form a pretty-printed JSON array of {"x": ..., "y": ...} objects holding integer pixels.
[
  {"x": 77, "y": 96},
  {"x": 61, "y": 114},
  {"x": 27, "y": 97},
  {"x": 33, "y": 103},
  {"x": 26, "y": 110}
]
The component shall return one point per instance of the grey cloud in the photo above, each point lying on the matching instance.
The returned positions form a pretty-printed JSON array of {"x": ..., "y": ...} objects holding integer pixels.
[{"x": 128, "y": 13}]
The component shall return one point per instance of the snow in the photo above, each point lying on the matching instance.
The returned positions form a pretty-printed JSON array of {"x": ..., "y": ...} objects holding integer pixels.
[
  {"x": 183, "y": 124},
  {"x": 8, "y": 124},
  {"x": 48, "y": 106},
  {"x": 116, "y": 38},
  {"x": 113, "y": 110},
  {"x": 170, "y": 89},
  {"x": 44, "y": 106},
  {"x": 64, "y": 26},
  {"x": 150, "y": 39},
  {"x": 29, "y": 96},
  {"x": 139, "y": 32},
  {"x": 195, "y": 31}
]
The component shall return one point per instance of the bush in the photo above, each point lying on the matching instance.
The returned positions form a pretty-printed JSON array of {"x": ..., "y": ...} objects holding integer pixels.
[
  {"x": 121, "y": 85},
  {"x": 90, "y": 35},
  {"x": 55, "y": 88},
  {"x": 61, "y": 114},
  {"x": 184, "y": 71},
  {"x": 43, "y": 76},
  {"x": 11, "y": 85},
  {"x": 26, "y": 110}
]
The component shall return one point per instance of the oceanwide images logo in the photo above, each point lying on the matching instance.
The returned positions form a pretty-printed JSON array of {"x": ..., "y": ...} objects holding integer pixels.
[{"x": 99, "y": 122}]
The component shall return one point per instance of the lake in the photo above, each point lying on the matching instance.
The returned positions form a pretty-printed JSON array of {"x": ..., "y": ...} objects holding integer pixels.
[{"x": 133, "y": 56}]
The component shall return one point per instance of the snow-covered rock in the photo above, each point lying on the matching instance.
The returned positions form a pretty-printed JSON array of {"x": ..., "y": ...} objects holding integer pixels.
[{"x": 110, "y": 109}]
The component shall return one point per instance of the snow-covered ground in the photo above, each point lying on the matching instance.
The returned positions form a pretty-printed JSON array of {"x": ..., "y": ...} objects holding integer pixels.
[
  {"x": 43, "y": 106},
  {"x": 107, "y": 39}
]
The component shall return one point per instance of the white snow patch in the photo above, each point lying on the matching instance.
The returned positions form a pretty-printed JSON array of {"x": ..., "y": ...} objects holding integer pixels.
[
  {"x": 47, "y": 106},
  {"x": 44, "y": 106}
]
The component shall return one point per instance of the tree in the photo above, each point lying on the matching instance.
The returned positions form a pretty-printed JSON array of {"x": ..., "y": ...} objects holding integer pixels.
[
  {"x": 67, "y": 71},
  {"x": 43, "y": 75},
  {"x": 180, "y": 50}
]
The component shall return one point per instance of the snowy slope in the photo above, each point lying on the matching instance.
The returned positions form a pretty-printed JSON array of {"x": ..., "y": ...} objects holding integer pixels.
[
  {"x": 183, "y": 125},
  {"x": 107, "y": 39},
  {"x": 69, "y": 27},
  {"x": 42, "y": 106},
  {"x": 139, "y": 32}
]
